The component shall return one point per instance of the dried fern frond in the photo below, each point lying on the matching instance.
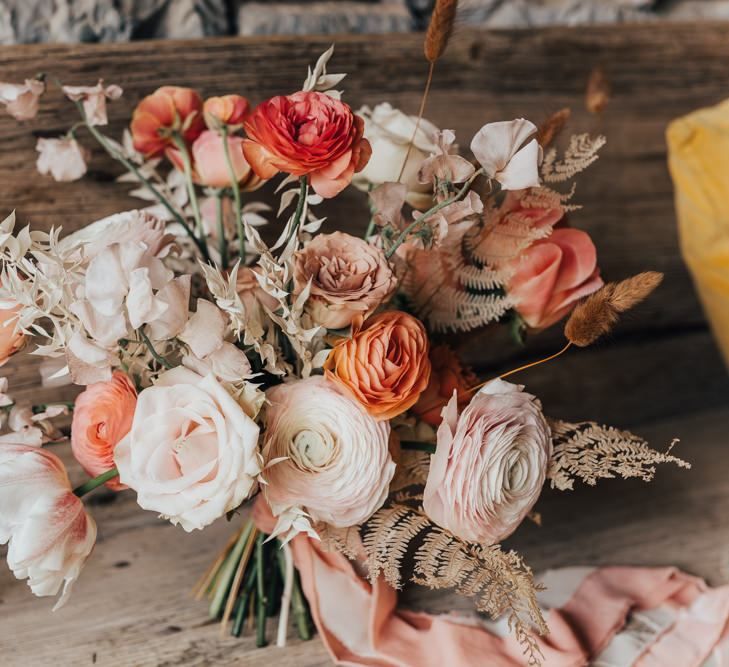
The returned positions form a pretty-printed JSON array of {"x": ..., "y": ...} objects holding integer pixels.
[
  {"x": 412, "y": 469},
  {"x": 550, "y": 128},
  {"x": 596, "y": 315},
  {"x": 439, "y": 29},
  {"x": 342, "y": 540},
  {"x": 581, "y": 153},
  {"x": 587, "y": 451},
  {"x": 597, "y": 93}
]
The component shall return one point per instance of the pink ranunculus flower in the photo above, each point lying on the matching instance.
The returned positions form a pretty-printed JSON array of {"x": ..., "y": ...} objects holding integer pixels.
[
  {"x": 192, "y": 452},
  {"x": 347, "y": 277},
  {"x": 49, "y": 534},
  {"x": 489, "y": 465},
  {"x": 21, "y": 99},
  {"x": 552, "y": 275},
  {"x": 337, "y": 467},
  {"x": 64, "y": 159},
  {"x": 94, "y": 99},
  {"x": 102, "y": 416}
]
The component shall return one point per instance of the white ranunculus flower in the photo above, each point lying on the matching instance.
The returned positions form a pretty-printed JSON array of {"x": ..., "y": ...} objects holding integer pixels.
[
  {"x": 389, "y": 132},
  {"x": 50, "y": 535},
  {"x": 337, "y": 465},
  {"x": 489, "y": 465},
  {"x": 192, "y": 452}
]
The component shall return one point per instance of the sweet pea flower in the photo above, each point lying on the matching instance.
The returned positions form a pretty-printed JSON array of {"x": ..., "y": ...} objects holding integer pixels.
[
  {"x": 48, "y": 532},
  {"x": 500, "y": 150},
  {"x": 64, "y": 159},
  {"x": 489, "y": 465},
  {"x": 94, "y": 99},
  {"x": 445, "y": 164},
  {"x": 21, "y": 100}
]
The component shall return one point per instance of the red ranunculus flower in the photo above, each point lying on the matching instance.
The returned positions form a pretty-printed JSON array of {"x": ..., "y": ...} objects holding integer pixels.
[{"x": 307, "y": 133}]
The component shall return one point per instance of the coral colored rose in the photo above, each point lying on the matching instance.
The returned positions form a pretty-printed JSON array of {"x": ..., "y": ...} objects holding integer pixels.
[
  {"x": 102, "y": 416},
  {"x": 64, "y": 159},
  {"x": 552, "y": 275},
  {"x": 21, "y": 100},
  {"x": 348, "y": 277},
  {"x": 167, "y": 109},
  {"x": 338, "y": 466},
  {"x": 192, "y": 452},
  {"x": 11, "y": 341},
  {"x": 384, "y": 365},
  {"x": 307, "y": 134},
  {"x": 50, "y": 535},
  {"x": 225, "y": 110},
  {"x": 447, "y": 375},
  {"x": 489, "y": 465}
]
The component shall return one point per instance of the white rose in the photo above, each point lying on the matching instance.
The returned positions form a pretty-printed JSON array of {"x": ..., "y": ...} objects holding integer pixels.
[
  {"x": 489, "y": 465},
  {"x": 49, "y": 533},
  {"x": 192, "y": 452},
  {"x": 389, "y": 132}
]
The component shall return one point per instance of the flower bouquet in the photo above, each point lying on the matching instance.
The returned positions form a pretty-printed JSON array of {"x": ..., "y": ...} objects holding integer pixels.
[{"x": 307, "y": 375}]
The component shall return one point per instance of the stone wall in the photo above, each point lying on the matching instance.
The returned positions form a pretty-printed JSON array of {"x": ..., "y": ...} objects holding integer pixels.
[{"x": 23, "y": 21}]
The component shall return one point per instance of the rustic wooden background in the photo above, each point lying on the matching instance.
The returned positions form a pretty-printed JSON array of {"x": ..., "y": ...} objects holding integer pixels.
[{"x": 659, "y": 372}]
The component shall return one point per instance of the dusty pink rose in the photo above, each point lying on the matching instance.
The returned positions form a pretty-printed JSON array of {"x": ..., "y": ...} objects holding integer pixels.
[
  {"x": 307, "y": 134},
  {"x": 102, "y": 416},
  {"x": 49, "y": 534},
  {"x": 349, "y": 277},
  {"x": 338, "y": 467},
  {"x": 489, "y": 465},
  {"x": 11, "y": 341},
  {"x": 552, "y": 275},
  {"x": 94, "y": 99},
  {"x": 64, "y": 159},
  {"x": 21, "y": 99}
]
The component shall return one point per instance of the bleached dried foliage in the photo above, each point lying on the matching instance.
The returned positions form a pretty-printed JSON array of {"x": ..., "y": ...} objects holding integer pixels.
[
  {"x": 581, "y": 152},
  {"x": 345, "y": 541},
  {"x": 588, "y": 452},
  {"x": 412, "y": 468}
]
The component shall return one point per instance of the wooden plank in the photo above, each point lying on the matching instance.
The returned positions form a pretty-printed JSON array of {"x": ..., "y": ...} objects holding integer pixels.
[{"x": 131, "y": 605}]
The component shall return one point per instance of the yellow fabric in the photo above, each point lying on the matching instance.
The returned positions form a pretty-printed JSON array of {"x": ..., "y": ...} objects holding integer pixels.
[{"x": 698, "y": 157}]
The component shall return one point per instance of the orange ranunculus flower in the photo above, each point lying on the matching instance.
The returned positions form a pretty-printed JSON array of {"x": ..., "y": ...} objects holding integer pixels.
[
  {"x": 102, "y": 416},
  {"x": 384, "y": 365},
  {"x": 167, "y": 108},
  {"x": 447, "y": 375},
  {"x": 307, "y": 134},
  {"x": 10, "y": 340},
  {"x": 225, "y": 110}
]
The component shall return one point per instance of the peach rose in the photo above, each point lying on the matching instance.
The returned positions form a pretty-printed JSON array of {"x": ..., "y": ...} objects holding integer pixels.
[
  {"x": 338, "y": 467},
  {"x": 552, "y": 275},
  {"x": 307, "y": 134},
  {"x": 11, "y": 341},
  {"x": 168, "y": 108},
  {"x": 489, "y": 465},
  {"x": 50, "y": 535},
  {"x": 348, "y": 276},
  {"x": 21, "y": 100},
  {"x": 384, "y": 365},
  {"x": 102, "y": 416},
  {"x": 448, "y": 375},
  {"x": 225, "y": 110}
]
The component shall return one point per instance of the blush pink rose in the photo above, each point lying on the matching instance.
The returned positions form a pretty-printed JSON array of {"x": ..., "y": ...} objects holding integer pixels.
[
  {"x": 338, "y": 466},
  {"x": 307, "y": 134},
  {"x": 348, "y": 277},
  {"x": 21, "y": 100},
  {"x": 552, "y": 275},
  {"x": 489, "y": 465},
  {"x": 102, "y": 416},
  {"x": 49, "y": 534}
]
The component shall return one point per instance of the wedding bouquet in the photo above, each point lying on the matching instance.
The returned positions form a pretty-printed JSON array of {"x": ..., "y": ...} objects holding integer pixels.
[{"x": 310, "y": 373}]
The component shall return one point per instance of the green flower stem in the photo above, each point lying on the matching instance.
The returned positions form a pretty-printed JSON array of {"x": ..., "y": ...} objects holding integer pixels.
[
  {"x": 179, "y": 141},
  {"x": 222, "y": 241},
  {"x": 301, "y": 611},
  {"x": 432, "y": 211},
  {"x": 227, "y": 572},
  {"x": 236, "y": 196},
  {"x": 303, "y": 193},
  {"x": 130, "y": 166},
  {"x": 418, "y": 446},
  {"x": 260, "y": 594},
  {"x": 243, "y": 600},
  {"x": 91, "y": 484},
  {"x": 156, "y": 355}
]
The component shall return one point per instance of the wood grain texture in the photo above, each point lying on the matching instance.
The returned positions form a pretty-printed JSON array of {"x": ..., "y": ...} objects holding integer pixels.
[{"x": 659, "y": 368}]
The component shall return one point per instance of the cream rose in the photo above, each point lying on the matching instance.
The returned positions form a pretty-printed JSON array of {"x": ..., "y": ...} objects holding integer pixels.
[
  {"x": 337, "y": 467},
  {"x": 389, "y": 132},
  {"x": 489, "y": 465},
  {"x": 50, "y": 534},
  {"x": 192, "y": 452},
  {"x": 347, "y": 277}
]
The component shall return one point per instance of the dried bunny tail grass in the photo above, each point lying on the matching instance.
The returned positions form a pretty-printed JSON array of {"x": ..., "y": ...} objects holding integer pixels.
[
  {"x": 597, "y": 94},
  {"x": 550, "y": 128},
  {"x": 440, "y": 29},
  {"x": 596, "y": 315}
]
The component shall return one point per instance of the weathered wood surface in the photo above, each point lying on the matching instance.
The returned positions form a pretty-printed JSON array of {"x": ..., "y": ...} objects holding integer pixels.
[{"x": 130, "y": 606}]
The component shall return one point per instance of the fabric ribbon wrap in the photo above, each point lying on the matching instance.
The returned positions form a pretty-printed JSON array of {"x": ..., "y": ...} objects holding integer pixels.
[
  {"x": 698, "y": 157},
  {"x": 605, "y": 617}
]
